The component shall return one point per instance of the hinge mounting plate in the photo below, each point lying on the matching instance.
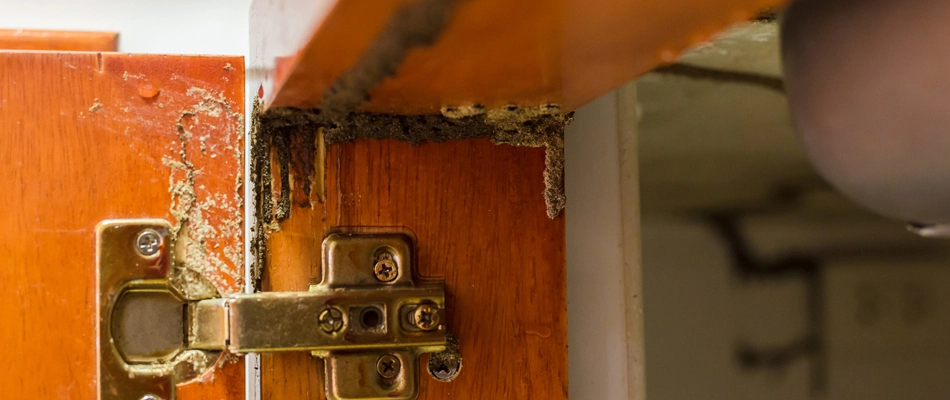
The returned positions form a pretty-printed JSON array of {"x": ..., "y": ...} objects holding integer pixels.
[{"x": 368, "y": 318}]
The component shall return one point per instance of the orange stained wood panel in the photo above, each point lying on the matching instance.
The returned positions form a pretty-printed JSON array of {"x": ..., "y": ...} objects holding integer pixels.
[
  {"x": 26, "y": 39},
  {"x": 491, "y": 52},
  {"x": 86, "y": 137},
  {"x": 478, "y": 215}
]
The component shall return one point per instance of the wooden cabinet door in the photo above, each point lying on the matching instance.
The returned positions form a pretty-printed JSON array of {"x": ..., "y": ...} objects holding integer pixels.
[
  {"x": 478, "y": 215},
  {"x": 89, "y": 137},
  {"x": 86, "y": 137}
]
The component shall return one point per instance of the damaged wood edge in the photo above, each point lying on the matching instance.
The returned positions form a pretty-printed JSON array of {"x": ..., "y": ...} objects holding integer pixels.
[
  {"x": 289, "y": 151},
  {"x": 287, "y": 168},
  {"x": 263, "y": 202},
  {"x": 511, "y": 125},
  {"x": 319, "y": 179},
  {"x": 196, "y": 271},
  {"x": 415, "y": 24}
]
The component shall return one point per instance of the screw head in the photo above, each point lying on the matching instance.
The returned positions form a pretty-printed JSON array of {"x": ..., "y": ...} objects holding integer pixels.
[
  {"x": 444, "y": 370},
  {"x": 150, "y": 397},
  {"x": 425, "y": 317},
  {"x": 388, "y": 366},
  {"x": 331, "y": 320},
  {"x": 148, "y": 243},
  {"x": 385, "y": 269}
]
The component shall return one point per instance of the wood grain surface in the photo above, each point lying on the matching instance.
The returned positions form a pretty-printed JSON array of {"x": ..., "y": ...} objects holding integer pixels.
[
  {"x": 26, "y": 39},
  {"x": 479, "y": 219},
  {"x": 86, "y": 137},
  {"x": 490, "y": 52}
]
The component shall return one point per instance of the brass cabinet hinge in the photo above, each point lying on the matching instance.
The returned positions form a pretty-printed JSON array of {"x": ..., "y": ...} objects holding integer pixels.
[{"x": 368, "y": 317}]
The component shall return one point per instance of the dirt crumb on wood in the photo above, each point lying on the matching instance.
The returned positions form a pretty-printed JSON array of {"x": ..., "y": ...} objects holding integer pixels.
[{"x": 96, "y": 105}]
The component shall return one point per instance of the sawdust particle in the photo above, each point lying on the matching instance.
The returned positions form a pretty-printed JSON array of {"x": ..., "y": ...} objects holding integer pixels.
[{"x": 96, "y": 105}]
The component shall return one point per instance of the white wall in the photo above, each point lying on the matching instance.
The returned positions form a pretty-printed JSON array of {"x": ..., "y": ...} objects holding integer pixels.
[
  {"x": 697, "y": 311},
  {"x": 167, "y": 26},
  {"x": 605, "y": 330}
]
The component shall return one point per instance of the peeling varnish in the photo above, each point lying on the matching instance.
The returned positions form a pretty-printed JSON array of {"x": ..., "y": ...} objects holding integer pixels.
[
  {"x": 280, "y": 188},
  {"x": 318, "y": 178}
]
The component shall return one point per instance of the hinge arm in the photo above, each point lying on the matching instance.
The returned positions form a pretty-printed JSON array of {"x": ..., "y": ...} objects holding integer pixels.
[{"x": 304, "y": 321}]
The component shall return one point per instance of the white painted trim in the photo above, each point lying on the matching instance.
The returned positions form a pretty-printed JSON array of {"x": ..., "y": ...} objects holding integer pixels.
[
  {"x": 627, "y": 122},
  {"x": 605, "y": 321}
]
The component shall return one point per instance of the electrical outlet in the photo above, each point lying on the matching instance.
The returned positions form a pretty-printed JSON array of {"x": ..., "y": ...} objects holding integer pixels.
[{"x": 891, "y": 310}]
